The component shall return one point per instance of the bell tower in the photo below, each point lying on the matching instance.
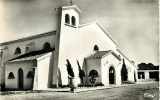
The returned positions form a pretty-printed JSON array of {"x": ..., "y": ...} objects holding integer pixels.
[
  {"x": 70, "y": 16},
  {"x": 67, "y": 30}
]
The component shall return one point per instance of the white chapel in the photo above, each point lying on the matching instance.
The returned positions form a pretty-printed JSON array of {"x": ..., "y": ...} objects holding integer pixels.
[{"x": 39, "y": 62}]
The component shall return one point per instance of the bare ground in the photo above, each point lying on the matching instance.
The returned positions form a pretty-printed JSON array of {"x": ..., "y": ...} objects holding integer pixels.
[{"x": 130, "y": 92}]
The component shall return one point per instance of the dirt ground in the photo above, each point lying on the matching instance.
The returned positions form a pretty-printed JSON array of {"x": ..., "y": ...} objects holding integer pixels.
[{"x": 148, "y": 91}]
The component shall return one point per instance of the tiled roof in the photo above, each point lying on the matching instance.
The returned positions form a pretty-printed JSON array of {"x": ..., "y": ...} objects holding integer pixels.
[
  {"x": 149, "y": 66},
  {"x": 31, "y": 56},
  {"x": 100, "y": 54},
  {"x": 29, "y": 38}
]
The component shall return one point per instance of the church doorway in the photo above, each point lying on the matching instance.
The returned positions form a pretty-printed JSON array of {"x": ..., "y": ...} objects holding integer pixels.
[
  {"x": 111, "y": 75},
  {"x": 20, "y": 79}
]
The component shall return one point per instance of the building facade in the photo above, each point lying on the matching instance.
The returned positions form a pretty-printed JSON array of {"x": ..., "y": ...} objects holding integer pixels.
[
  {"x": 148, "y": 72},
  {"x": 27, "y": 62}
]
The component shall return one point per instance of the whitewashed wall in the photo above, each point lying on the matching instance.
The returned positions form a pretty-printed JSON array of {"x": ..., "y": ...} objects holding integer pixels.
[
  {"x": 9, "y": 50},
  {"x": 43, "y": 64},
  {"x": 26, "y": 66},
  {"x": 106, "y": 62},
  {"x": 76, "y": 45},
  {"x": 131, "y": 70}
]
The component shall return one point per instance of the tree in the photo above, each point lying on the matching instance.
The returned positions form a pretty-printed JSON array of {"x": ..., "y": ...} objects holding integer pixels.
[
  {"x": 93, "y": 74},
  {"x": 69, "y": 69},
  {"x": 81, "y": 72},
  {"x": 124, "y": 73},
  {"x": 70, "y": 75}
]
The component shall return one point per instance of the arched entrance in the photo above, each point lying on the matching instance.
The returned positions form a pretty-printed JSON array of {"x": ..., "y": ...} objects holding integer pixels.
[
  {"x": 111, "y": 75},
  {"x": 20, "y": 79},
  {"x": 124, "y": 72}
]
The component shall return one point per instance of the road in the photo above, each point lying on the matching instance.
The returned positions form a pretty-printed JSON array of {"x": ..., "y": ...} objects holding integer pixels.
[{"x": 131, "y": 92}]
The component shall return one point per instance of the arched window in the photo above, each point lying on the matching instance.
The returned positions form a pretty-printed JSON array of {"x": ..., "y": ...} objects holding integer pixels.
[
  {"x": 96, "y": 48},
  {"x": 27, "y": 49},
  {"x": 93, "y": 73},
  {"x": 67, "y": 19},
  {"x": 30, "y": 74},
  {"x": 46, "y": 46},
  {"x": 17, "y": 51},
  {"x": 73, "y": 20},
  {"x": 11, "y": 75},
  {"x": 111, "y": 70}
]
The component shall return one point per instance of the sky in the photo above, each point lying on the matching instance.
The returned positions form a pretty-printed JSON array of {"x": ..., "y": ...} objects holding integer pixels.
[{"x": 133, "y": 24}]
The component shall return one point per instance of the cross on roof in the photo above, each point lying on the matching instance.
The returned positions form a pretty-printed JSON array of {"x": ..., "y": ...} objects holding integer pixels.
[{"x": 71, "y": 2}]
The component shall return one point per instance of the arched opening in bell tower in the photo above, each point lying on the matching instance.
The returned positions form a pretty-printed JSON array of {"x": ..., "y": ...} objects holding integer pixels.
[{"x": 67, "y": 19}]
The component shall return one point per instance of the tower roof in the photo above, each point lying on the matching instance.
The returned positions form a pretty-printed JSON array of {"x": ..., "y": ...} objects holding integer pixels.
[{"x": 72, "y": 7}]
